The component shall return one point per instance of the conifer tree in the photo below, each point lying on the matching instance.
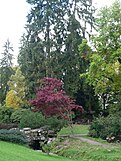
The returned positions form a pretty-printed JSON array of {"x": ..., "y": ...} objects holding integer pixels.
[
  {"x": 55, "y": 28},
  {"x": 17, "y": 83},
  {"x": 5, "y": 69}
]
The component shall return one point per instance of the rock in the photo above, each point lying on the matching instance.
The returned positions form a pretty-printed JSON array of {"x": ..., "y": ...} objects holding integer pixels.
[
  {"x": 38, "y": 137},
  {"x": 26, "y": 129}
]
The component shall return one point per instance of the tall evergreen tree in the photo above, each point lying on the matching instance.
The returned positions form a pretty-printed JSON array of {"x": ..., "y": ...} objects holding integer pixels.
[
  {"x": 5, "y": 69},
  {"x": 55, "y": 28},
  {"x": 86, "y": 95}
]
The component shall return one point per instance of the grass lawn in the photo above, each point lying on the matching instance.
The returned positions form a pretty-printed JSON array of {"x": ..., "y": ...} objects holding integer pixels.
[
  {"x": 14, "y": 152},
  {"x": 76, "y": 149},
  {"x": 69, "y": 148},
  {"x": 77, "y": 129}
]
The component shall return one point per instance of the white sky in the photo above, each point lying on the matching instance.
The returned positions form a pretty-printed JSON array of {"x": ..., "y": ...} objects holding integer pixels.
[{"x": 13, "y": 18}]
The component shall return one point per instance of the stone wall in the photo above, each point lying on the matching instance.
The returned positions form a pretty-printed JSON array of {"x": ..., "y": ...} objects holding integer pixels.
[{"x": 38, "y": 137}]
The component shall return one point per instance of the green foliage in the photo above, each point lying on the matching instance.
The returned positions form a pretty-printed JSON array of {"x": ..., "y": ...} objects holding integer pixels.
[
  {"x": 104, "y": 127},
  {"x": 5, "y": 114},
  {"x": 104, "y": 72},
  {"x": 55, "y": 53},
  {"x": 32, "y": 120},
  {"x": 51, "y": 145},
  {"x": 17, "y": 115},
  {"x": 86, "y": 95},
  {"x": 17, "y": 83},
  {"x": 16, "y": 94},
  {"x": 55, "y": 124},
  {"x": 5, "y": 69},
  {"x": 76, "y": 149},
  {"x": 14, "y": 136},
  {"x": 115, "y": 108},
  {"x": 37, "y": 120}
]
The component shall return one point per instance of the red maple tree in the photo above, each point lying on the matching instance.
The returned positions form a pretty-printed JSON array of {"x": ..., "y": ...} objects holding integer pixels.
[{"x": 52, "y": 100}]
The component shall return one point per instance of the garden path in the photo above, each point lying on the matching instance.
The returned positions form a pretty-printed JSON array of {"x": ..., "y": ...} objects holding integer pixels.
[{"x": 80, "y": 137}]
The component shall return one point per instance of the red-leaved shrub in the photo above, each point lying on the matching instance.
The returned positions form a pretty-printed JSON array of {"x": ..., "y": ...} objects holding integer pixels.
[{"x": 52, "y": 100}]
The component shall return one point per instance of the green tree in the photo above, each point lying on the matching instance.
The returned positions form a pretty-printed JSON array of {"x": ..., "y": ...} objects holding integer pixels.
[
  {"x": 5, "y": 69},
  {"x": 16, "y": 94},
  {"x": 86, "y": 96},
  {"x": 105, "y": 68},
  {"x": 50, "y": 47},
  {"x": 12, "y": 100},
  {"x": 17, "y": 83}
]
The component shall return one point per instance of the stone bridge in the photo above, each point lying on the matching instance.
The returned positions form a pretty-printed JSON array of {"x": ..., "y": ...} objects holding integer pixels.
[{"x": 38, "y": 137}]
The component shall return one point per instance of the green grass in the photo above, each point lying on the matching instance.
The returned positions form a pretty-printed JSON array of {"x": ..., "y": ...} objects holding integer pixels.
[
  {"x": 69, "y": 148},
  {"x": 77, "y": 149},
  {"x": 14, "y": 152},
  {"x": 84, "y": 129},
  {"x": 77, "y": 129},
  {"x": 102, "y": 141}
]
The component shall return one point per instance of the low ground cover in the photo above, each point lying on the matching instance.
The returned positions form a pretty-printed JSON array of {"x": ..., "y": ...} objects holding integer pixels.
[{"x": 75, "y": 148}]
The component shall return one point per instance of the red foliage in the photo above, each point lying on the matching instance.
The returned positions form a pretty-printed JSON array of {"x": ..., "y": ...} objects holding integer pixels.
[{"x": 52, "y": 100}]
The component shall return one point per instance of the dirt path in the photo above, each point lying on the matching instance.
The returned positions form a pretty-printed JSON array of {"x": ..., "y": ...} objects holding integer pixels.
[{"x": 80, "y": 137}]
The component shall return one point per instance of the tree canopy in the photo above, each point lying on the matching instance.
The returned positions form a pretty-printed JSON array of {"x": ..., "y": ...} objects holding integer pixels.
[
  {"x": 105, "y": 63},
  {"x": 5, "y": 69},
  {"x": 51, "y": 100},
  {"x": 50, "y": 47}
]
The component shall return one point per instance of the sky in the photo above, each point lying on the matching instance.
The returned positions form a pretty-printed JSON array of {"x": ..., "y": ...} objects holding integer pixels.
[{"x": 13, "y": 19}]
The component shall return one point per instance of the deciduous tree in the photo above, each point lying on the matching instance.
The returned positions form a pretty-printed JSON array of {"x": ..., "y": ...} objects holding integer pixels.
[
  {"x": 105, "y": 68},
  {"x": 52, "y": 100}
]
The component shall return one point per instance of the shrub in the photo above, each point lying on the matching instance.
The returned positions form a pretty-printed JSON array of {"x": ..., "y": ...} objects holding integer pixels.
[
  {"x": 106, "y": 127},
  {"x": 115, "y": 108},
  {"x": 14, "y": 136},
  {"x": 17, "y": 115},
  {"x": 55, "y": 124},
  {"x": 37, "y": 120},
  {"x": 32, "y": 120},
  {"x": 5, "y": 114}
]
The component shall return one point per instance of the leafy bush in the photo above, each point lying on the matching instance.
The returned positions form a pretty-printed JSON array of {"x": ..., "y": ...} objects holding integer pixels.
[
  {"x": 109, "y": 126},
  {"x": 36, "y": 120},
  {"x": 55, "y": 124},
  {"x": 17, "y": 115},
  {"x": 5, "y": 114},
  {"x": 32, "y": 120},
  {"x": 14, "y": 136},
  {"x": 115, "y": 108},
  {"x": 8, "y": 126}
]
